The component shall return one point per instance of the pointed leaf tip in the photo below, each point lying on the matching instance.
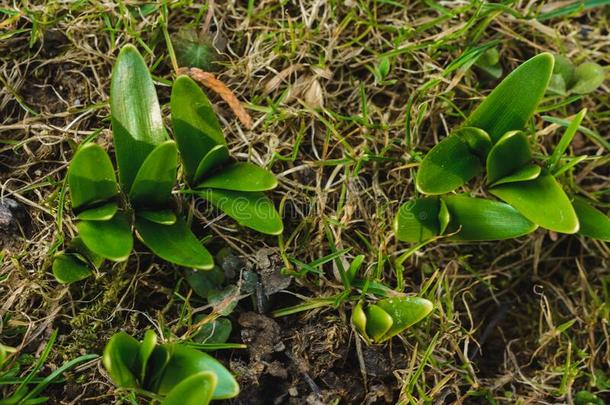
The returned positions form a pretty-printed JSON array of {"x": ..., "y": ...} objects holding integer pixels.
[{"x": 512, "y": 103}]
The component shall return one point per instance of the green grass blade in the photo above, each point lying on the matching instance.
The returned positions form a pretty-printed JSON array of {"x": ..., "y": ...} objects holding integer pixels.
[{"x": 565, "y": 140}]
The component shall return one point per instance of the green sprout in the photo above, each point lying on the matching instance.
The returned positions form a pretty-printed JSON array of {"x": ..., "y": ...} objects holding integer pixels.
[
  {"x": 171, "y": 372},
  {"x": 568, "y": 78}
]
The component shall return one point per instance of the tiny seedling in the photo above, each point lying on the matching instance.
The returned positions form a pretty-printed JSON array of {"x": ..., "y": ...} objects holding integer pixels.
[
  {"x": 390, "y": 314},
  {"x": 492, "y": 141},
  {"x": 147, "y": 164},
  {"x": 570, "y": 79},
  {"x": 388, "y": 317},
  {"x": 489, "y": 63},
  {"x": 172, "y": 372},
  {"x": 236, "y": 188}
]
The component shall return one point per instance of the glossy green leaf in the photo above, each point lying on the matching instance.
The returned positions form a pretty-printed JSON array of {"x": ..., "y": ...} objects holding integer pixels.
[
  {"x": 147, "y": 346},
  {"x": 196, "y": 389},
  {"x": 512, "y": 103},
  {"x": 378, "y": 322},
  {"x": 479, "y": 219},
  {"x": 153, "y": 184},
  {"x": 185, "y": 362},
  {"x": 449, "y": 165},
  {"x": 418, "y": 220},
  {"x": 110, "y": 239},
  {"x": 137, "y": 125},
  {"x": 196, "y": 127},
  {"x": 508, "y": 155},
  {"x": 527, "y": 172},
  {"x": 251, "y": 209},
  {"x": 477, "y": 139},
  {"x": 542, "y": 201},
  {"x": 593, "y": 223},
  {"x": 174, "y": 243},
  {"x": 588, "y": 77},
  {"x": 67, "y": 268},
  {"x": 103, "y": 212},
  {"x": 217, "y": 156},
  {"x": 77, "y": 246},
  {"x": 359, "y": 319},
  {"x": 91, "y": 176},
  {"x": 405, "y": 312},
  {"x": 163, "y": 217},
  {"x": 565, "y": 140},
  {"x": 241, "y": 176},
  {"x": 120, "y": 359}
]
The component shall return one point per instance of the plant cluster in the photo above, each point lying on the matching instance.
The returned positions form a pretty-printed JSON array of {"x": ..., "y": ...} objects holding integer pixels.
[
  {"x": 492, "y": 140},
  {"x": 108, "y": 212},
  {"x": 172, "y": 372}
]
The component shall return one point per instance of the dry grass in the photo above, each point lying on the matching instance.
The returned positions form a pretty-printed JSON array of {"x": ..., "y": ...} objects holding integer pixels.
[{"x": 522, "y": 321}]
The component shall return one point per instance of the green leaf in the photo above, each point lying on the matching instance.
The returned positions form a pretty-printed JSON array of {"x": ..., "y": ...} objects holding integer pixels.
[
  {"x": 77, "y": 247},
  {"x": 488, "y": 62},
  {"x": 120, "y": 359},
  {"x": 196, "y": 389},
  {"x": 478, "y": 219},
  {"x": 593, "y": 223},
  {"x": 450, "y": 164},
  {"x": 589, "y": 76},
  {"x": 251, "y": 209},
  {"x": 477, "y": 139},
  {"x": 91, "y": 176},
  {"x": 565, "y": 140},
  {"x": 507, "y": 156},
  {"x": 137, "y": 125},
  {"x": 542, "y": 201},
  {"x": 405, "y": 312},
  {"x": 218, "y": 155},
  {"x": 217, "y": 331},
  {"x": 174, "y": 243},
  {"x": 146, "y": 349},
  {"x": 527, "y": 172},
  {"x": 103, "y": 212},
  {"x": 241, "y": 176},
  {"x": 185, "y": 362},
  {"x": 359, "y": 319},
  {"x": 67, "y": 268},
  {"x": 378, "y": 322},
  {"x": 110, "y": 239},
  {"x": 512, "y": 103},
  {"x": 163, "y": 217},
  {"x": 196, "y": 127},
  {"x": 152, "y": 187},
  {"x": 418, "y": 220}
]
